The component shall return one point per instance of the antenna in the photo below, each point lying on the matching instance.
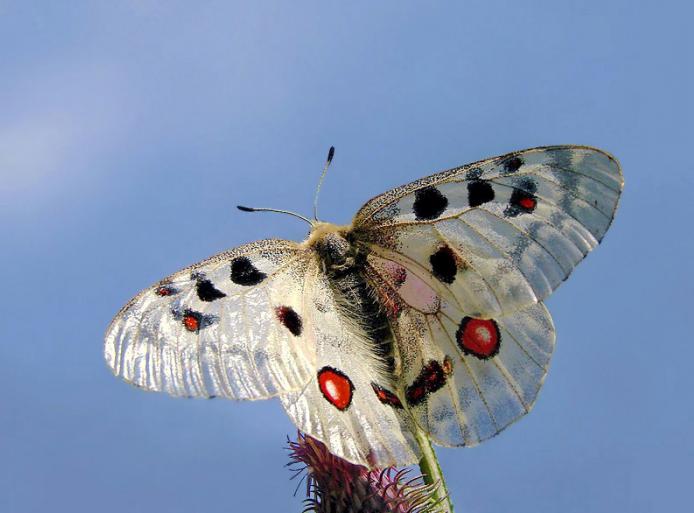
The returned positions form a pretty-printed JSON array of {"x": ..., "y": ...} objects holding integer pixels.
[
  {"x": 331, "y": 154},
  {"x": 251, "y": 209}
]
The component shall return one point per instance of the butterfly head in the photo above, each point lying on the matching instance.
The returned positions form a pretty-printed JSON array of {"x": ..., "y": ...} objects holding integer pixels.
[{"x": 332, "y": 244}]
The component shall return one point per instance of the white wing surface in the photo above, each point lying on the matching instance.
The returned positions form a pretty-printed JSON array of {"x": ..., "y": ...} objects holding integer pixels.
[
  {"x": 230, "y": 326},
  {"x": 500, "y": 234},
  {"x": 340, "y": 405}
]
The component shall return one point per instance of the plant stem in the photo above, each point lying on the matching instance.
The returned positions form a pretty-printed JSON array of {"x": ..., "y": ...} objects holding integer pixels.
[{"x": 432, "y": 474}]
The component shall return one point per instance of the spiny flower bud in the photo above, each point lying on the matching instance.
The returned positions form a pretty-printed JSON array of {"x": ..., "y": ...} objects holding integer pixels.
[{"x": 334, "y": 485}]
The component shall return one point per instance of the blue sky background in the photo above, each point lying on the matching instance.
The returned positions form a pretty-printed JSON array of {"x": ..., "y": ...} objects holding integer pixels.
[{"x": 129, "y": 130}]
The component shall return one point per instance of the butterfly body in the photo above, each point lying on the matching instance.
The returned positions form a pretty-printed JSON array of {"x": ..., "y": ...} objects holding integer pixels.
[
  {"x": 424, "y": 314},
  {"x": 333, "y": 246}
]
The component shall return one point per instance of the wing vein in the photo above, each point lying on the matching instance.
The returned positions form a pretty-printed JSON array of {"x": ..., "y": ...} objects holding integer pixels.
[
  {"x": 508, "y": 258},
  {"x": 413, "y": 263},
  {"x": 511, "y": 382},
  {"x": 548, "y": 200},
  {"x": 460, "y": 255},
  {"x": 221, "y": 366},
  {"x": 527, "y": 234},
  {"x": 364, "y": 215},
  {"x": 455, "y": 400}
]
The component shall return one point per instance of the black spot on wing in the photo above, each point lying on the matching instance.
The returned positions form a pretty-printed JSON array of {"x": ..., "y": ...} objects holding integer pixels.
[
  {"x": 479, "y": 192},
  {"x": 290, "y": 319},
  {"x": 243, "y": 272},
  {"x": 429, "y": 204},
  {"x": 444, "y": 265},
  {"x": 207, "y": 291},
  {"x": 513, "y": 164}
]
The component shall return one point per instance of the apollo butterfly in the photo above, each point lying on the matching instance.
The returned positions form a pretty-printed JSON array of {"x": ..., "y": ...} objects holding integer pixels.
[{"x": 425, "y": 313}]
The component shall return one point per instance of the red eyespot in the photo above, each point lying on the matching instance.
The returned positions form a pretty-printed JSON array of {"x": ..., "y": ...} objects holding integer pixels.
[
  {"x": 165, "y": 290},
  {"x": 479, "y": 337},
  {"x": 523, "y": 201},
  {"x": 431, "y": 378},
  {"x": 415, "y": 394},
  {"x": 527, "y": 203},
  {"x": 336, "y": 387},
  {"x": 191, "y": 322}
]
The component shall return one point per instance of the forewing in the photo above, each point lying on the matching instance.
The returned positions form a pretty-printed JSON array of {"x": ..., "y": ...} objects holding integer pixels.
[
  {"x": 340, "y": 403},
  {"x": 216, "y": 328},
  {"x": 463, "y": 378},
  {"x": 499, "y": 234}
]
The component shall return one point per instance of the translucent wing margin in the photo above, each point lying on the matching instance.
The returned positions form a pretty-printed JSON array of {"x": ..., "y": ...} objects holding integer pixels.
[
  {"x": 501, "y": 234},
  {"x": 215, "y": 328}
]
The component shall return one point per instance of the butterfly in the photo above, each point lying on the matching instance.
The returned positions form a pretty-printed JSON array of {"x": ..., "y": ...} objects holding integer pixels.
[{"x": 424, "y": 315}]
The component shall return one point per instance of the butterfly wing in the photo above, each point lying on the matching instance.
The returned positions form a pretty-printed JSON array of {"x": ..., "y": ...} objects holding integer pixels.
[
  {"x": 476, "y": 395},
  {"x": 500, "y": 234},
  {"x": 348, "y": 403},
  {"x": 463, "y": 378},
  {"x": 229, "y": 326},
  {"x": 462, "y": 260}
]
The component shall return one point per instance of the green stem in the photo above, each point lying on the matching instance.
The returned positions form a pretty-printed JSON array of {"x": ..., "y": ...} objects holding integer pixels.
[{"x": 432, "y": 474}]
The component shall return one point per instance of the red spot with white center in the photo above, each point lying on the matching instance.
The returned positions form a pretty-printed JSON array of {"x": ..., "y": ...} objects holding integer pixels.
[
  {"x": 191, "y": 321},
  {"x": 479, "y": 337},
  {"x": 336, "y": 387}
]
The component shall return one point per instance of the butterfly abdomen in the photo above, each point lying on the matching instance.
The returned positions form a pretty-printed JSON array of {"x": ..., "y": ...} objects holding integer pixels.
[
  {"x": 355, "y": 296},
  {"x": 343, "y": 263}
]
